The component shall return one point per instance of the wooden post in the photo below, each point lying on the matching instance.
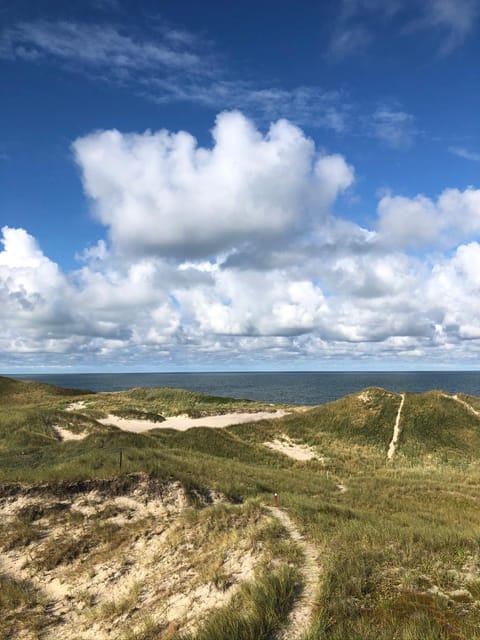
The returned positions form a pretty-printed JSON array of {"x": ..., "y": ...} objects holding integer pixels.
[
  {"x": 275, "y": 499},
  {"x": 120, "y": 460}
]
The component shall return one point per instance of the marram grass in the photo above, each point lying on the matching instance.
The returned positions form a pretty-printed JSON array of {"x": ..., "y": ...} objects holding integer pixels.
[{"x": 398, "y": 540}]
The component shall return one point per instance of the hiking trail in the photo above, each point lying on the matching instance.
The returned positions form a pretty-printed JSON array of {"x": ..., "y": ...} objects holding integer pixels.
[
  {"x": 465, "y": 404},
  {"x": 301, "y": 613},
  {"x": 396, "y": 431}
]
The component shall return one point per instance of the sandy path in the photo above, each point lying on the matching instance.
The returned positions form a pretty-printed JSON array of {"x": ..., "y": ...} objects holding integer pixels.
[
  {"x": 301, "y": 614},
  {"x": 182, "y": 423},
  {"x": 396, "y": 431},
  {"x": 465, "y": 404}
]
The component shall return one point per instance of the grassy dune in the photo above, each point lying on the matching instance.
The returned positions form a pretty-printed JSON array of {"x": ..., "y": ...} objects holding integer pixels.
[{"x": 398, "y": 540}]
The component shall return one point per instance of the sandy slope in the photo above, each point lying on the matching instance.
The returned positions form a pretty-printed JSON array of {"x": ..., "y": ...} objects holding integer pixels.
[
  {"x": 155, "y": 572},
  {"x": 301, "y": 452},
  {"x": 182, "y": 423}
]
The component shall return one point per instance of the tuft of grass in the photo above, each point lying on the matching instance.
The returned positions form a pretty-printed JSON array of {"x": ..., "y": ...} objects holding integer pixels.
[
  {"x": 96, "y": 538},
  {"x": 115, "y": 608},
  {"x": 148, "y": 630},
  {"x": 259, "y": 610},
  {"x": 139, "y": 414},
  {"x": 19, "y": 533},
  {"x": 23, "y": 610}
]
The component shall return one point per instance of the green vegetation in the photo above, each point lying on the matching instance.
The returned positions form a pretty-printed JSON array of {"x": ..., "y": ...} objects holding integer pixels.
[
  {"x": 398, "y": 540},
  {"x": 164, "y": 402},
  {"x": 259, "y": 610},
  {"x": 439, "y": 426}
]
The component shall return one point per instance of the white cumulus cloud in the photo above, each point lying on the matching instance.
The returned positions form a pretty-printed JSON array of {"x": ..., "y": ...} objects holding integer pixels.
[
  {"x": 163, "y": 193},
  {"x": 232, "y": 253},
  {"x": 421, "y": 221}
]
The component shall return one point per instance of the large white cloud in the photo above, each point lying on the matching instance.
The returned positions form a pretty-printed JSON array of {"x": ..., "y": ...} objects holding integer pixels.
[{"x": 162, "y": 193}]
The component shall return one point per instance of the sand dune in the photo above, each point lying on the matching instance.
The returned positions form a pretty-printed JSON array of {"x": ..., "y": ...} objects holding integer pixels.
[{"x": 182, "y": 423}]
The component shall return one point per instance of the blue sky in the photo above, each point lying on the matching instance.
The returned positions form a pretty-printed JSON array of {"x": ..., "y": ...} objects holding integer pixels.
[{"x": 268, "y": 185}]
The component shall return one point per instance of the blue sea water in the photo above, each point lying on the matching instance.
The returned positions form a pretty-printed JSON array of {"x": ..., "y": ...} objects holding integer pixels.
[{"x": 305, "y": 388}]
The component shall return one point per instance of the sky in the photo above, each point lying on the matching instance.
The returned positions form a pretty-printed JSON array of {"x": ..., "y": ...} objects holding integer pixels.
[{"x": 215, "y": 186}]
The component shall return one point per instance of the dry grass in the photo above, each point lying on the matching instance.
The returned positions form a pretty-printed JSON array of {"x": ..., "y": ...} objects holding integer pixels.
[
  {"x": 133, "y": 562},
  {"x": 22, "y": 608}
]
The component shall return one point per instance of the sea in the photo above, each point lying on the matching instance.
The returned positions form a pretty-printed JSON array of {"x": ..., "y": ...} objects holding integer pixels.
[{"x": 302, "y": 388}]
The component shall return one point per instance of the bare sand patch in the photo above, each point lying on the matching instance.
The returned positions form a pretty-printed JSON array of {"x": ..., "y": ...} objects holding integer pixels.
[
  {"x": 76, "y": 406},
  {"x": 302, "y": 452},
  {"x": 65, "y": 434},
  {"x": 364, "y": 396},
  {"x": 182, "y": 423}
]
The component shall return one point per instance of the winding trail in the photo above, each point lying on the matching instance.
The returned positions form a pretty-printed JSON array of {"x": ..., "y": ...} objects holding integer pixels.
[
  {"x": 396, "y": 431},
  {"x": 465, "y": 404},
  {"x": 301, "y": 613}
]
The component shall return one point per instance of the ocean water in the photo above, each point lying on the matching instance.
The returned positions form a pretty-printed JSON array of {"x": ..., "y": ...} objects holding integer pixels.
[{"x": 307, "y": 388}]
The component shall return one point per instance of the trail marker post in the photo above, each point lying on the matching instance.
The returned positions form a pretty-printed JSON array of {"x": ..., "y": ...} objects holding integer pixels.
[{"x": 275, "y": 499}]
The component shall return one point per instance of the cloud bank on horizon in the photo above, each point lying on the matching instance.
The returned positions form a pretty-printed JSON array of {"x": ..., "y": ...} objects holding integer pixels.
[
  {"x": 234, "y": 250},
  {"x": 241, "y": 250}
]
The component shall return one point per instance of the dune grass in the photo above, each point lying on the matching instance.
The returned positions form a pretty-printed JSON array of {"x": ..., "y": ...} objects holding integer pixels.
[
  {"x": 259, "y": 610},
  {"x": 400, "y": 545},
  {"x": 23, "y": 610},
  {"x": 166, "y": 402}
]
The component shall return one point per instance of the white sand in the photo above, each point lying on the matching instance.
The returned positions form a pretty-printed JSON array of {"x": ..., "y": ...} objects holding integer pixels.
[
  {"x": 396, "y": 431},
  {"x": 69, "y": 435},
  {"x": 182, "y": 423},
  {"x": 76, "y": 406},
  {"x": 293, "y": 450},
  {"x": 364, "y": 396}
]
